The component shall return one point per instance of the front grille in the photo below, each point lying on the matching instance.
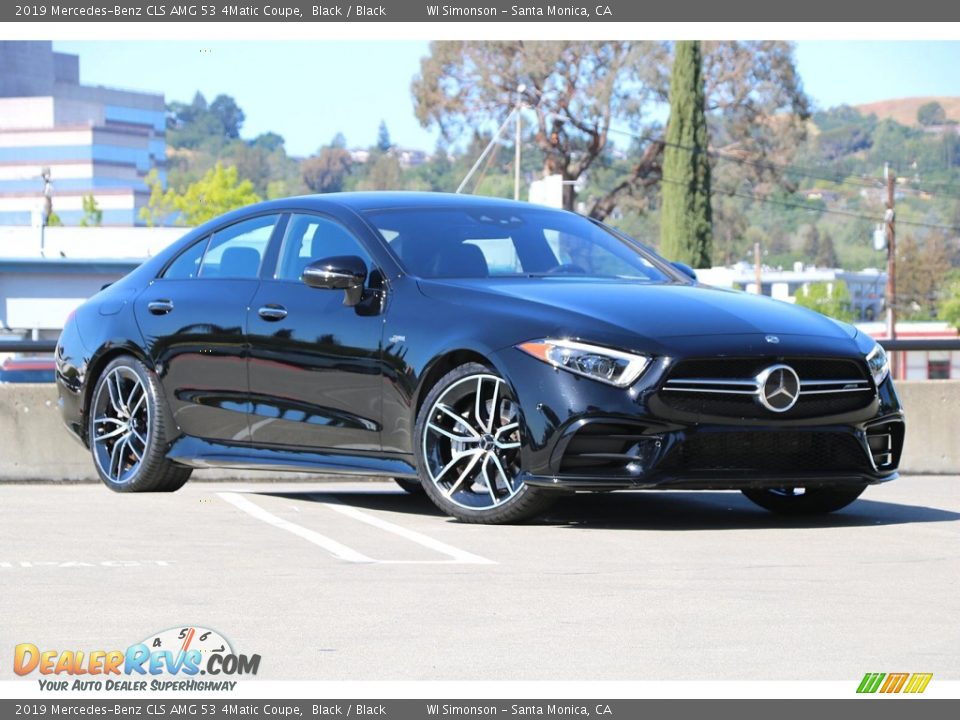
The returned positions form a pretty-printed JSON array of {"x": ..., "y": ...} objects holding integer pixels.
[
  {"x": 609, "y": 449},
  {"x": 807, "y": 368},
  {"x": 775, "y": 452},
  {"x": 726, "y": 387}
]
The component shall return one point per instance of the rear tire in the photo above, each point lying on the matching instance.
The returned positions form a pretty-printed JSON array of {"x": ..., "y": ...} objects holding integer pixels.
[
  {"x": 414, "y": 487},
  {"x": 468, "y": 441},
  {"x": 127, "y": 429},
  {"x": 811, "y": 501}
]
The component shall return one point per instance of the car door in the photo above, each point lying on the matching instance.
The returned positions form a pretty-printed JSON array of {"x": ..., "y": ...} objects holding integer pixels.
[
  {"x": 314, "y": 362},
  {"x": 193, "y": 320}
]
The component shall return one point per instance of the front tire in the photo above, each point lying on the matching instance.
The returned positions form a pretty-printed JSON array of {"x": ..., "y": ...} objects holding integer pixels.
[
  {"x": 804, "y": 501},
  {"x": 468, "y": 440},
  {"x": 128, "y": 433}
]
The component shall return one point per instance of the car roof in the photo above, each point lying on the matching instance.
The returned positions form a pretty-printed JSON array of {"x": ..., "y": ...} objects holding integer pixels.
[{"x": 391, "y": 200}]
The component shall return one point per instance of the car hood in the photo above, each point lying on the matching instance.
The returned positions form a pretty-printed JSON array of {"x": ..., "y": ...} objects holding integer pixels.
[{"x": 646, "y": 309}]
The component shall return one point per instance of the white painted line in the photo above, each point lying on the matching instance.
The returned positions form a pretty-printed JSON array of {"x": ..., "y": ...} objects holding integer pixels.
[
  {"x": 458, "y": 555},
  {"x": 331, "y": 546}
]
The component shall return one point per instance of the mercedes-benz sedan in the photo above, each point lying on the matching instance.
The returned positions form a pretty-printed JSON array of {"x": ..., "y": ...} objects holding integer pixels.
[{"x": 493, "y": 354}]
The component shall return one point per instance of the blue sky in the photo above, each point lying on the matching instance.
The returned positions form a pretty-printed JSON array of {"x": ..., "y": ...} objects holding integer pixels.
[{"x": 308, "y": 91}]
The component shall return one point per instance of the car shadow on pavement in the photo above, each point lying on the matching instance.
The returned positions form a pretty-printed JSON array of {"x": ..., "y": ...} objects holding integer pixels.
[
  {"x": 666, "y": 510},
  {"x": 651, "y": 510}
]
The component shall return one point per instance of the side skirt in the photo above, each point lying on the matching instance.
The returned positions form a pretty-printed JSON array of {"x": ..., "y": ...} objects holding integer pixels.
[{"x": 197, "y": 453}]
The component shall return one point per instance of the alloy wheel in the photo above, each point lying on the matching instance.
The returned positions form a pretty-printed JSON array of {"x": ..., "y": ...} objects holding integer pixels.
[
  {"x": 471, "y": 443},
  {"x": 121, "y": 425}
]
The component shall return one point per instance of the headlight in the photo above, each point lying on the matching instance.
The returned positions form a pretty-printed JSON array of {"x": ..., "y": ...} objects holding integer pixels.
[
  {"x": 878, "y": 363},
  {"x": 610, "y": 366}
]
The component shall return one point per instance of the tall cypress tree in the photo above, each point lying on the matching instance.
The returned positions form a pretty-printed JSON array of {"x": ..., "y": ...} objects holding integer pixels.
[{"x": 685, "y": 216}]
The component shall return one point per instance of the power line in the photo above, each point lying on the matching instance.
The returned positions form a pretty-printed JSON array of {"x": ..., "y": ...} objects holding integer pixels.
[
  {"x": 786, "y": 168},
  {"x": 800, "y": 206}
]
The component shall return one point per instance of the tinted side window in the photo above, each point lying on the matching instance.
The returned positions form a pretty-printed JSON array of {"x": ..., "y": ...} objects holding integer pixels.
[
  {"x": 237, "y": 251},
  {"x": 187, "y": 264},
  {"x": 309, "y": 238}
]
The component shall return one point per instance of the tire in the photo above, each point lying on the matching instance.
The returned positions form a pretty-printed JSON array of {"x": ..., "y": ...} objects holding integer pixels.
[
  {"x": 813, "y": 501},
  {"x": 468, "y": 456},
  {"x": 414, "y": 487},
  {"x": 127, "y": 428}
]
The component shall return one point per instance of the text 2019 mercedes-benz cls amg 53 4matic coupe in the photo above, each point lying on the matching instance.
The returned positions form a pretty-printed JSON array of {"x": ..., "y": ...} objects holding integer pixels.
[{"x": 491, "y": 353}]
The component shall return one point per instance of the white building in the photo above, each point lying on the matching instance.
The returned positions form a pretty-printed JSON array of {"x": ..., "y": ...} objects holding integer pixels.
[
  {"x": 867, "y": 287},
  {"x": 94, "y": 140}
]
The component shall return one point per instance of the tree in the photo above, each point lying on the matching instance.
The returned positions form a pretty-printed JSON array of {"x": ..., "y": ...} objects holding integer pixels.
[
  {"x": 686, "y": 223},
  {"x": 830, "y": 299},
  {"x": 225, "y": 109},
  {"x": 575, "y": 90},
  {"x": 192, "y": 125},
  {"x": 921, "y": 271},
  {"x": 950, "y": 307},
  {"x": 931, "y": 113},
  {"x": 218, "y": 191},
  {"x": 384, "y": 173},
  {"x": 580, "y": 92},
  {"x": 809, "y": 238},
  {"x": 326, "y": 171},
  {"x": 269, "y": 141},
  {"x": 383, "y": 137},
  {"x": 92, "y": 214},
  {"x": 826, "y": 255},
  {"x": 339, "y": 141}
]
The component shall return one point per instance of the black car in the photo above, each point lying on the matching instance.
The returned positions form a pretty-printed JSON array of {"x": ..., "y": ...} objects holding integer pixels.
[{"x": 493, "y": 353}]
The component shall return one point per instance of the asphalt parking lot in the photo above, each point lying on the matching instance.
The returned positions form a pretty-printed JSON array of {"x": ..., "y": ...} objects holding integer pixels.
[{"x": 357, "y": 580}]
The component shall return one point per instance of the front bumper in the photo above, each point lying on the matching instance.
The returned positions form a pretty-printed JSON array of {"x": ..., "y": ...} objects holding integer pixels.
[{"x": 587, "y": 436}]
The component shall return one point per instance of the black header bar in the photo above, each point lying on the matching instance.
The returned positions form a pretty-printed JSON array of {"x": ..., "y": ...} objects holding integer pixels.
[{"x": 501, "y": 11}]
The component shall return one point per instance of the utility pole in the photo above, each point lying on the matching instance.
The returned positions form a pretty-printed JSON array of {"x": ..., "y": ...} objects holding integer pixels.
[
  {"x": 758, "y": 268},
  {"x": 889, "y": 219},
  {"x": 516, "y": 146}
]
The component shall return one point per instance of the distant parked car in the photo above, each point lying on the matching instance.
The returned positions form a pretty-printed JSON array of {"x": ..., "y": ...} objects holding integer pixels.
[{"x": 28, "y": 370}]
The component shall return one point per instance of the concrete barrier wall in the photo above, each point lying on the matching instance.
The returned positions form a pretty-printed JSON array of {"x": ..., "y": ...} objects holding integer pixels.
[{"x": 34, "y": 445}]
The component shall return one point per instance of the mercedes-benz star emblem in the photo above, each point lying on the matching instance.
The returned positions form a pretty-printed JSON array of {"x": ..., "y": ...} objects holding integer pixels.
[
  {"x": 778, "y": 388},
  {"x": 772, "y": 339}
]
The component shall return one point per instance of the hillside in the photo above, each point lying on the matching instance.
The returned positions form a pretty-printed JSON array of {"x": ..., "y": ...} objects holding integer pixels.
[{"x": 904, "y": 110}]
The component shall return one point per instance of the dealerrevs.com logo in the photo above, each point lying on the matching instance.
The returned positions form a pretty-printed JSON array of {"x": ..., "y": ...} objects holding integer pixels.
[
  {"x": 889, "y": 683},
  {"x": 183, "y": 658}
]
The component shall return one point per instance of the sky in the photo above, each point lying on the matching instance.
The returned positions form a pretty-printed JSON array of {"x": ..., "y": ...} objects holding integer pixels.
[{"x": 308, "y": 91}]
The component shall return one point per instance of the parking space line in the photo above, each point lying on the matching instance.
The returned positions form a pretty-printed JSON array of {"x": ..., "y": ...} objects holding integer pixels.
[
  {"x": 336, "y": 549},
  {"x": 458, "y": 555}
]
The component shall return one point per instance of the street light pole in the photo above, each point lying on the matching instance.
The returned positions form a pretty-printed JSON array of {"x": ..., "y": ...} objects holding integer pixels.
[{"x": 47, "y": 209}]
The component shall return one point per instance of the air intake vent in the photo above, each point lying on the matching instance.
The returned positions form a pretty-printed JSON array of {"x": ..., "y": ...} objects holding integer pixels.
[
  {"x": 609, "y": 449},
  {"x": 883, "y": 441}
]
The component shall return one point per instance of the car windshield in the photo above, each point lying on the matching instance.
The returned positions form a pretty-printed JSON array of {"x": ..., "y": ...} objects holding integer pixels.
[{"x": 512, "y": 242}]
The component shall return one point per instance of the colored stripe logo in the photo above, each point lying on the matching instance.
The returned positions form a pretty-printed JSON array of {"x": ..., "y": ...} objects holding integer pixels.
[{"x": 887, "y": 683}]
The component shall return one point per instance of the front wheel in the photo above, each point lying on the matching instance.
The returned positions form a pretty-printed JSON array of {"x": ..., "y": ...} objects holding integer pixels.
[
  {"x": 127, "y": 431},
  {"x": 469, "y": 437},
  {"x": 804, "y": 501}
]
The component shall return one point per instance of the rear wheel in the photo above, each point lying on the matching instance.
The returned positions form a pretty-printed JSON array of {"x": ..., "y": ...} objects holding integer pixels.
[
  {"x": 804, "y": 501},
  {"x": 414, "y": 487},
  {"x": 468, "y": 438},
  {"x": 127, "y": 431}
]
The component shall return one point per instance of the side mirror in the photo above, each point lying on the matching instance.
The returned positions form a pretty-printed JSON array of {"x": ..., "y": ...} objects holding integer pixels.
[
  {"x": 343, "y": 272},
  {"x": 685, "y": 269}
]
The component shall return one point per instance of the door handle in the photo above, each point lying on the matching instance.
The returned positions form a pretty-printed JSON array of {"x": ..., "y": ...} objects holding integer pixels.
[
  {"x": 160, "y": 307},
  {"x": 272, "y": 312}
]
